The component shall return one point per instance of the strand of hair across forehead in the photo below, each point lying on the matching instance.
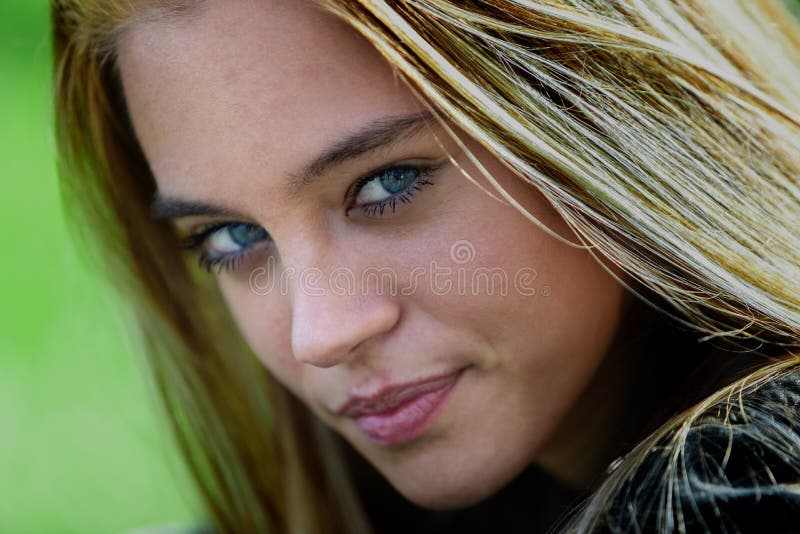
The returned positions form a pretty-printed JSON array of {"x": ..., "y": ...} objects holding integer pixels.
[{"x": 688, "y": 154}]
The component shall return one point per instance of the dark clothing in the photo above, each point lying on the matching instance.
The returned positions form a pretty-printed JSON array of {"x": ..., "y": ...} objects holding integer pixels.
[{"x": 739, "y": 471}]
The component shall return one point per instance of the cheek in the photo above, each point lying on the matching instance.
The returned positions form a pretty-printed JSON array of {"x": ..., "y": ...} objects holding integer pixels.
[
  {"x": 520, "y": 286},
  {"x": 556, "y": 320},
  {"x": 265, "y": 322},
  {"x": 560, "y": 299},
  {"x": 570, "y": 319}
]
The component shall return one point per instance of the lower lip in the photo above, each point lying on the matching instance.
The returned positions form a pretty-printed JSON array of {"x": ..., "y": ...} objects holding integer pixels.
[{"x": 408, "y": 421}]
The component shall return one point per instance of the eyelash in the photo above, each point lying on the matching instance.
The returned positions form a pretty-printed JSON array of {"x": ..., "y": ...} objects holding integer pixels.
[
  {"x": 403, "y": 196},
  {"x": 230, "y": 262},
  {"x": 206, "y": 261}
]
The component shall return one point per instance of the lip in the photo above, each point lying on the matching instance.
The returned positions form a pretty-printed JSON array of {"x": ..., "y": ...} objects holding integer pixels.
[{"x": 399, "y": 413}]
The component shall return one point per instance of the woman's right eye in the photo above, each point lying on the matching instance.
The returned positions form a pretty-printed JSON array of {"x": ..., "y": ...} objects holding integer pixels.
[
  {"x": 224, "y": 245},
  {"x": 390, "y": 186}
]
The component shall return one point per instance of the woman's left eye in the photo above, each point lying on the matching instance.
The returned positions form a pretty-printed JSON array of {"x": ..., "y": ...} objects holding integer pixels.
[
  {"x": 224, "y": 244},
  {"x": 389, "y": 186}
]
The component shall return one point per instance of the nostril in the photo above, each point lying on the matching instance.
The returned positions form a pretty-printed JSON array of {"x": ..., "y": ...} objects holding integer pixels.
[
  {"x": 322, "y": 354},
  {"x": 325, "y": 341}
]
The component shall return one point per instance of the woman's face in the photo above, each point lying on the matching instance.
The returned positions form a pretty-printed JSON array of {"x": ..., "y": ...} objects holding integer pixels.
[{"x": 443, "y": 334}]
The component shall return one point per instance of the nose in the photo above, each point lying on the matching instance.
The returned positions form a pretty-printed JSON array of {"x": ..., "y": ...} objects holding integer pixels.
[{"x": 330, "y": 327}]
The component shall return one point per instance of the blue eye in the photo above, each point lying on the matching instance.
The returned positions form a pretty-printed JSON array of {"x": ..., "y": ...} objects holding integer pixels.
[
  {"x": 225, "y": 244},
  {"x": 235, "y": 237},
  {"x": 389, "y": 186}
]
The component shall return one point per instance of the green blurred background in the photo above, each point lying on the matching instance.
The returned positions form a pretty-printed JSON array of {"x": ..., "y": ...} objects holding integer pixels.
[{"x": 80, "y": 448}]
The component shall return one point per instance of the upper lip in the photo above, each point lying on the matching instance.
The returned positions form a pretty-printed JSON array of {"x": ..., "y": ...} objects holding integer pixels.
[{"x": 394, "y": 395}]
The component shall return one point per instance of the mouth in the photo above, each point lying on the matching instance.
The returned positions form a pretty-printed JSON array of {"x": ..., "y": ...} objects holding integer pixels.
[{"x": 400, "y": 413}]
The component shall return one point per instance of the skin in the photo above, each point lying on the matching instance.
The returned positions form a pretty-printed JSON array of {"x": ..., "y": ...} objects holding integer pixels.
[{"x": 227, "y": 117}]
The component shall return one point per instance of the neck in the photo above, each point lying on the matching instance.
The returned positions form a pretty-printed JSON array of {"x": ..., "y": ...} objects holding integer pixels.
[{"x": 647, "y": 357}]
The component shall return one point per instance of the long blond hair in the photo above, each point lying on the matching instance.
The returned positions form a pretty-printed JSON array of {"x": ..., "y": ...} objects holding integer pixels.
[{"x": 665, "y": 133}]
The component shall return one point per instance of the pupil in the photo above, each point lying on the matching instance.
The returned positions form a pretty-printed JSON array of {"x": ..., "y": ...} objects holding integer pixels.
[
  {"x": 396, "y": 180},
  {"x": 245, "y": 234}
]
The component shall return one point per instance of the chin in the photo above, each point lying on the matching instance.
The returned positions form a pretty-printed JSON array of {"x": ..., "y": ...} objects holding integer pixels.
[
  {"x": 443, "y": 497},
  {"x": 449, "y": 489}
]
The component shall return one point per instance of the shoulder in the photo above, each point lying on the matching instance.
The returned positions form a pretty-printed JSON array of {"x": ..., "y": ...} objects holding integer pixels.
[{"x": 731, "y": 465}]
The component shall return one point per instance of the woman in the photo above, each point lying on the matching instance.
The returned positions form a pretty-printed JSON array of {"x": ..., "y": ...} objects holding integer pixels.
[{"x": 472, "y": 247}]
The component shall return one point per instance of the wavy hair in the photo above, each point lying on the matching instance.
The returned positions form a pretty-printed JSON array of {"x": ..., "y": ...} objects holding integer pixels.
[{"x": 665, "y": 133}]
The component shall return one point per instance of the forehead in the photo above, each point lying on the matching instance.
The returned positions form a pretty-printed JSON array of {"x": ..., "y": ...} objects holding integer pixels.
[{"x": 249, "y": 88}]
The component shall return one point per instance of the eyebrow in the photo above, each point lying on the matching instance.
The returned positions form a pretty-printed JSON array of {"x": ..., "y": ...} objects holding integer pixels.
[
  {"x": 379, "y": 133},
  {"x": 164, "y": 207}
]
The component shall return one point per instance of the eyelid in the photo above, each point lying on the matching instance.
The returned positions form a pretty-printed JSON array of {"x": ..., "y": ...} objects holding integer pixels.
[
  {"x": 423, "y": 178},
  {"x": 429, "y": 165},
  {"x": 197, "y": 235},
  {"x": 197, "y": 240}
]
